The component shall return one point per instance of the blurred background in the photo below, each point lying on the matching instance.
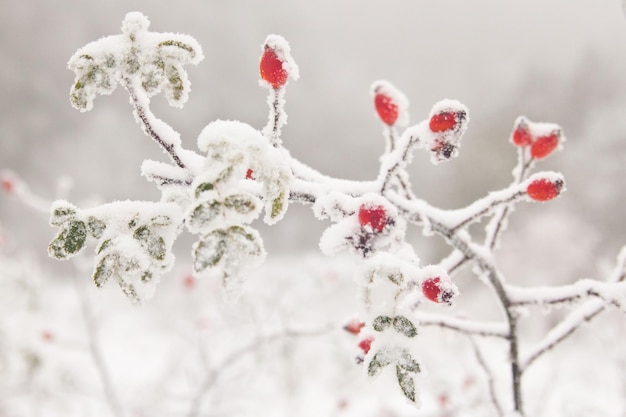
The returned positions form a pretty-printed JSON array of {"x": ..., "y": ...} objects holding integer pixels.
[{"x": 560, "y": 61}]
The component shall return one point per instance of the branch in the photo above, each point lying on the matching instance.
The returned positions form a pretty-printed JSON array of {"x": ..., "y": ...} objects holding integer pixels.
[
  {"x": 491, "y": 383},
  {"x": 94, "y": 348},
  {"x": 499, "y": 220},
  {"x": 610, "y": 293},
  {"x": 563, "y": 330},
  {"x": 574, "y": 319},
  {"x": 467, "y": 327},
  {"x": 215, "y": 373},
  {"x": 163, "y": 134}
]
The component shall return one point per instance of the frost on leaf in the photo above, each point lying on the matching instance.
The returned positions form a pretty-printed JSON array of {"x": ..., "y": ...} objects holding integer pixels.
[
  {"x": 154, "y": 60},
  {"x": 233, "y": 148},
  {"x": 405, "y": 367},
  {"x": 229, "y": 252},
  {"x": 134, "y": 241}
]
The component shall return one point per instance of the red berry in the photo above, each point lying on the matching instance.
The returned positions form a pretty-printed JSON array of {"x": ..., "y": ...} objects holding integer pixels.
[
  {"x": 435, "y": 292},
  {"x": 189, "y": 281},
  {"x": 431, "y": 289},
  {"x": 7, "y": 185},
  {"x": 374, "y": 217},
  {"x": 47, "y": 336},
  {"x": 272, "y": 70},
  {"x": 386, "y": 108},
  {"x": 443, "y": 121},
  {"x": 250, "y": 174},
  {"x": 544, "y": 145},
  {"x": 543, "y": 189},
  {"x": 354, "y": 327},
  {"x": 521, "y": 135},
  {"x": 366, "y": 344}
]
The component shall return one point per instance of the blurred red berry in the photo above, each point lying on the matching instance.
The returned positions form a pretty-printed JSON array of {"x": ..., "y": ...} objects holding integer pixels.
[
  {"x": 47, "y": 336},
  {"x": 189, "y": 281},
  {"x": 544, "y": 145},
  {"x": 366, "y": 344},
  {"x": 544, "y": 189},
  {"x": 8, "y": 185},
  {"x": 272, "y": 70},
  {"x": 354, "y": 327},
  {"x": 386, "y": 108},
  {"x": 374, "y": 217},
  {"x": 522, "y": 136},
  {"x": 443, "y": 121}
]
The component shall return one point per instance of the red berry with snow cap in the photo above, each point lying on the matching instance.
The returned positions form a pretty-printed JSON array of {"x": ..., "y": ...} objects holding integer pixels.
[
  {"x": 443, "y": 121},
  {"x": 271, "y": 68},
  {"x": 435, "y": 291},
  {"x": 387, "y": 108},
  {"x": 544, "y": 145},
  {"x": 521, "y": 135},
  {"x": 544, "y": 189},
  {"x": 374, "y": 217}
]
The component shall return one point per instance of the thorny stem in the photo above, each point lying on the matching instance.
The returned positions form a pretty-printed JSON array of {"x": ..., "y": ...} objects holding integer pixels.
[
  {"x": 503, "y": 202},
  {"x": 276, "y": 119},
  {"x": 142, "y": 114},
  {"x": 520, "y": 174},
  {"x": 393, "y": 171},
  {"x": 466, "y": 248}
]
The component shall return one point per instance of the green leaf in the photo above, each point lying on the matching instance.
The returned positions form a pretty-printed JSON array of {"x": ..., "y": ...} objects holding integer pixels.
[
  {"x": 130, "y": 292},
  {"x": 396, "y": 278},
  {"x": 175, "y": 88},
  {"x": 241, "y": 203},
  {"x": 405, "y": 380},
  {"x": 95, "y": 227},
  {"x": 69, "y": 241},
  {"x": 103, "y": 246},
  {"x": 278, "y": 206},
  {"x": 204, "y": 214},
  {"x": 209, "y": 250},
  {"x": 204, "y": 187},
  {"x": 180, "y": 45},
  {"x": 378, "y": 362},
  {"x": 104, "y": 269},
  {"x": 406, "y": 362},
  {"x": 245, "y": 241},
  {"x": 61, "y": 215},
  {"x": 381, "y": 323},
  {"x": 153, "y": 244},
  {"x": 404, "y": 326}
]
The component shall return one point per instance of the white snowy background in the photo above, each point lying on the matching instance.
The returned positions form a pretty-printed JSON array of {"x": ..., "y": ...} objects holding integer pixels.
[{"x": 560, "y": 61}]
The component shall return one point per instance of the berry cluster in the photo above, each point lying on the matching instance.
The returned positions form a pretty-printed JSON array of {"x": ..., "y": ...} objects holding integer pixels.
[{"x": 541, "y": 138}]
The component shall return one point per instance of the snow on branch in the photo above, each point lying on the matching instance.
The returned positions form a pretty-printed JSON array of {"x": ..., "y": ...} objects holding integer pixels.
[{"x": 239, "y": 171}]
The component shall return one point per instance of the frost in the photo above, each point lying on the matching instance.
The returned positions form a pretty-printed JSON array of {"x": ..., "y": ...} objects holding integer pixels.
[
  {"x": 239, "y": 148},
  {"x": 154, "y": 60}
]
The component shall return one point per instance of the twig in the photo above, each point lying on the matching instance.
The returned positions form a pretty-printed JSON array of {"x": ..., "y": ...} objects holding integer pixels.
[
  {"x": 215, "y": 373},
  {"x": 491, "y": 383},
  {"x": 470, "y": 328}
]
